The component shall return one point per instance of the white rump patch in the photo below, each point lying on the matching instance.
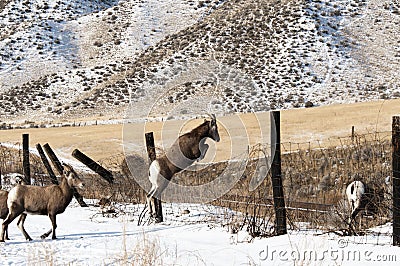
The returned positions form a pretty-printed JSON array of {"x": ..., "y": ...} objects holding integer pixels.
[
  {"x": 354, "y": 193},
  {"x": 154, "y": 172},
  {"x": 12, "y": 196}
]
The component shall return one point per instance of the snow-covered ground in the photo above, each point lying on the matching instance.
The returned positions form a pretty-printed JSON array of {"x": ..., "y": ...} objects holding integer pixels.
[{"x": 86, "y": 237}]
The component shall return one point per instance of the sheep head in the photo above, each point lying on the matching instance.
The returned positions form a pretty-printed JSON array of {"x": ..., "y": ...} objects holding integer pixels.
[{"x": 72, "y": 177}]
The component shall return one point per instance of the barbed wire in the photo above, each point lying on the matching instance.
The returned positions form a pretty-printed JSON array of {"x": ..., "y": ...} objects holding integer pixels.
[{"x": 314, "y": 174}]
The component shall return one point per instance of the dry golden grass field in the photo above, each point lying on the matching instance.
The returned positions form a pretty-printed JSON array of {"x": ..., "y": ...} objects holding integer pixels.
[{"x": 321, "y": 124}]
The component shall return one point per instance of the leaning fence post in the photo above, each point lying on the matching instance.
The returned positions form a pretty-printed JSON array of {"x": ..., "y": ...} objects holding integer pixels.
[
  {"x": 57, "y": 164},
  {"x": 25, "y": 158},
  {"x": 83, "y": 158},
  {"x": 276, "y": 175},
  {"x": 151, "y": 152},
  {"x": 53, "y": 158},
  {"x": 47, "y": 164},
  {"x": 396, "y": 179}
]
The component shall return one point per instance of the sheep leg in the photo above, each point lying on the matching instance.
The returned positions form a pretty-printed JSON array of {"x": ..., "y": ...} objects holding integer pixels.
[
  {"x": 54, "y": 225},
  {"x": 158, "y": 210},
  {"x": 354, "y": 211},
  {"x": 150, "y": 205},
  {"x": 153, "y": 211},
  {"x": 4, "y": 228},
  {"x": 353, "y": 216},
  {"x": 157, "y": 201},
  {"x": 20, "y": 224},
  {"x": 159, "y": 183},
  {"x": 203, "y": 148},
  {"x": 150, "y": 201},
  {"x": 52, "y": 230},
  {"x": 7, "y": 235},
  {"x": 153, "y": 201}
]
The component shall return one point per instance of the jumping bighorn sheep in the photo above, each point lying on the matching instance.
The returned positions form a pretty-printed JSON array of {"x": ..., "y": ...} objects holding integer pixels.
[
  {"x": 363, "y": 198},
  {"x": 49, "y": 200},
  {"x": 187, "y": 149}
]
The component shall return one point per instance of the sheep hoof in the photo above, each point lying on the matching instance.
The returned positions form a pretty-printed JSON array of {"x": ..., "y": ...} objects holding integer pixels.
[{"x": 158, "y": 220}]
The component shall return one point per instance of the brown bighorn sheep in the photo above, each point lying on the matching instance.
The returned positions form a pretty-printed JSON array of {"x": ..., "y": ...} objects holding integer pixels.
[
  {"x": 3, "y": 207},
  {"x": 3, "y": 202},
  {"x": 187, "y": 149},
  {"x": 49, "y": 200}
]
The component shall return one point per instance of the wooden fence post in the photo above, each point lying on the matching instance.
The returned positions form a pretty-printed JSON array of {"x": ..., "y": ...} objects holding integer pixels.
[
  {"x": 151, "y": 152},
  {"x": 151, "y": 148},
  {"x": 396, "y": 179},
  {"x": 276, "y": 175},
  {"x": 25, "y": 158},
  {"x": 53, "y": 158},
  {"x": 47, "y": 164},
  {"x": 57, "y": 164},
  {"x": 97, "y": 168}
]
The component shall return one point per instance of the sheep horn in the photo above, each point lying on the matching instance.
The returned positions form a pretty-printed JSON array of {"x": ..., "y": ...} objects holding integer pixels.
[{"x": 212, "y": 116}]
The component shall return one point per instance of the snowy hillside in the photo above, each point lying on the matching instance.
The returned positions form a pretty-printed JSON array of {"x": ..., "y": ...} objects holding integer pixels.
[
  {"x": 62, "y": 58},
  {"x": 86, "y": 237}
]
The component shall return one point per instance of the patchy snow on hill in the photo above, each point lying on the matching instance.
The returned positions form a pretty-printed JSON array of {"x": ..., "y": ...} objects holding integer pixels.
[
  {"x": 67, "y": 48},
  {"x": 35, "y": 40},
  {"x": 97, "y": 57}
]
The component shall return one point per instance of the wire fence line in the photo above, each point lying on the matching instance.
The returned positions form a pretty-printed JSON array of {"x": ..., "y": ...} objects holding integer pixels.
[{"x": 315, "y": 175}]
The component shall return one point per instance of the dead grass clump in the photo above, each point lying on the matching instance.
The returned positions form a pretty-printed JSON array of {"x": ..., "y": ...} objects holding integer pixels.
[
  {"x": 315, "y": 181},
  {"x": 146, "y": 252}
]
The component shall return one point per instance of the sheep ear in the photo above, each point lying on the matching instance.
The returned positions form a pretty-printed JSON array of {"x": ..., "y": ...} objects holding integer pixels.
[
  {"x": 67, "y": 167},
  {"x": 66, "y": 172}
]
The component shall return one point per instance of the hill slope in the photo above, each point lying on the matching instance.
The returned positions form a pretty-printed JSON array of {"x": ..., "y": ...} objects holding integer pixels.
[{"x": 172, "y": 58}]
